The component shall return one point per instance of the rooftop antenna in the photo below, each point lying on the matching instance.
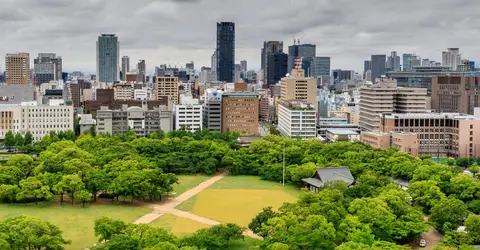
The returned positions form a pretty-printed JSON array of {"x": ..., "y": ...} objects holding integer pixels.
[{"x": 300, "y": 38}]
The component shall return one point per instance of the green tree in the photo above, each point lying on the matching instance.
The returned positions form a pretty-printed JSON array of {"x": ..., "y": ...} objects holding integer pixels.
[
  {"x": 314, "y": 232},
  {"x": 24, "y": 162},
  {"x": 32, "y": 189},
  {"x": 426, "y": 194},
  {"x": 105, "y": 228},
  {"x": 96, "y": 180},
  {"x": 28, "y": 140},
  {"x": 163, "y": 246},
  {"x": 10, "y": 175},
  {"x": 448, "y": 214},
  {"x": 70, "y": 184},
  {"x": 31, "y": 233},
  {"x": 262, "y": 217},
  {"x": 216, "y": 237},
  {"x": 8, "y": 193},
  {"x": 83, "y": 196},
  {"x": 9, "y": 140},
  {"x": 19, "y": 142},
  {"x": 472, "y": 225}
]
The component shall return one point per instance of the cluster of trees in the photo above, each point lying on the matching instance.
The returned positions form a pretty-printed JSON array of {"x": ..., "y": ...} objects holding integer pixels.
[
  {"x": 114, "y": 234},
  {"x": 381, "y": 218},
  {"x": 30, "y": 233},
  {"x": 443, "y": 191}
]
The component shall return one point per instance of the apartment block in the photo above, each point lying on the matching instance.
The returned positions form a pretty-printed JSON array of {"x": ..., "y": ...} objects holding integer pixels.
[
  {"x": 297, "y": 119},
  {"x": 17, "y": 68},
  {"x": 141, "y": 119},
  {"x": 240, "y": 112},
  {"x": 459, "y": 94},
  {"x": 37, "y": 119},
  {"x": 123, "y": 91},
  {"x": 168, "y": 86},
  {"x": 385, "y": 97},
  {"x": 403, "y": 141},
  {"x": 298, "y": 87}
]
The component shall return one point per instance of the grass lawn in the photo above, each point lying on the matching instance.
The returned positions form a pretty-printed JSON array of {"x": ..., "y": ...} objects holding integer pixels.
[
  {"x": 187, "y": 182},
  {"x": 76, "y": 223},
  {"x": 237, "y": 199},
  {"x": 177, "y": 225}
]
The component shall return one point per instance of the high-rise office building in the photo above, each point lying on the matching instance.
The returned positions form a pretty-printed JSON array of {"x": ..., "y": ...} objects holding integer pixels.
[
  {"x": 452, "y": 58},
  {"x": 455, "y": 94},
  {"x": 108, "y": 57},
  {"x": 225, "y": 51},
  {"x": 243, "y": 65},
  {"x": 321, "y": 66},
  {"x": 340, "y": 75},
  {"x": 212, "y": 110},
  {"x": 141, "y": 67},
  {"x": 393, "y": 62},
  {"x": 269, "y": 47},
  {"x": 378, "y": 66},
  {"x": 367, "y": 65},
  {"x": 297, "y": 119},
  {"x": 17, "y": 68},
  {"x": 305, "y": 51},
  {"x": 276, "y": 68},
  {"x": 125, "y": 66},
  {"x": 47, "y": 67},
  {"x": 385, "y": 97},
  {"x": 214, "y": 62}
]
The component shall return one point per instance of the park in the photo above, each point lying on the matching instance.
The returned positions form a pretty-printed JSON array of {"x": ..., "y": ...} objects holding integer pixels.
[{"x": 202, "y": 190}]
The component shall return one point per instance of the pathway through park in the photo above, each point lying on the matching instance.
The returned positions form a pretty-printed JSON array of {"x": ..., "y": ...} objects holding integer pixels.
[{"x": 169, "y": 207}]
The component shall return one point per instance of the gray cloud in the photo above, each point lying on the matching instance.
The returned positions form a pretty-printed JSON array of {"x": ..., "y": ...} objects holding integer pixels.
[{"x": 171, "y": 31}]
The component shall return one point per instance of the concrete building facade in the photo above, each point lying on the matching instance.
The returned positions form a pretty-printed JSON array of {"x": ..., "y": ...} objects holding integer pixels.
[
  {"x": 297, "y": 119},
  {"x": 47, "y": 67},
  {"x": 125, "y": 66},
  {"x": 385, "y": 97},
  {"x": 39, "y": 120},
  {"x": 188, "y": 117},
  {"x": 240, "y": 112},
  {"x": 212, "y": 112},
  {"x": 142, "y": 120},
  {"x": 298, "y": 87},
  {"x": 378, "y": 66},
  {"x": 17, "y": 68}
]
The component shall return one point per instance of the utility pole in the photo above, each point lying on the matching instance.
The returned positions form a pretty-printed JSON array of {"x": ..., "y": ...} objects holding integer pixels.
[{"x": 283, "y": 164}]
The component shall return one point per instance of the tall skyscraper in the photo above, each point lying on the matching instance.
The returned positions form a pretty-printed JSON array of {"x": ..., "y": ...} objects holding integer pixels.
[
  {"x": 367, "y": 65},
  {"x": 452, "y": 58},
  {"x": 378, "y": 66},
  {"x": 125, "y": 66},
  {"x": 47, "y": 67},
  {"x": 321, "y": 66},
  {"x": 340, "y": 75},
  {"x": 276, "y": 68},
  {"x": 305, "y": 51},
  {"x": 393, "y": 62},
  {"x": 141, "y": 71},
  {"x": 298, "y": 87},
  {"x": 269, "y": 47},
  {"x": 225, "y": 51},
  {"x": 243, "y": 66},
  {"x": 17, "y": 68},
  {"x": 108, "y": 58},
  {"x": 409, "y": 61}
]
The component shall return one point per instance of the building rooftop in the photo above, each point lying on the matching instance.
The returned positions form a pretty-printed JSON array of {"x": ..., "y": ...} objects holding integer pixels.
[
  {"x": 458, "y": 116},
  {"x": 240, "y": 94},
  {"x": 342, "y": 132},
  {"x": 297, "y": 105}
]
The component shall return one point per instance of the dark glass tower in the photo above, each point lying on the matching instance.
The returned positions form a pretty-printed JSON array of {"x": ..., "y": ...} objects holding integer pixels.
[{"x": 225, "y": 51}]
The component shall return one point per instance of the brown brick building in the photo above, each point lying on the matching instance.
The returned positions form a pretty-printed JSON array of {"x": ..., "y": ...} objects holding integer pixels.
[
  {"x": 240, "y": 112},
  {"x": 458, "y": 94},
  {"x": 17, "y": 68}
]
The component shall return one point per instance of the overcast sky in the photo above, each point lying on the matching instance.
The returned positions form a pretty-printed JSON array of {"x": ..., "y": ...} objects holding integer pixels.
[{"x": 177, "y": 31}]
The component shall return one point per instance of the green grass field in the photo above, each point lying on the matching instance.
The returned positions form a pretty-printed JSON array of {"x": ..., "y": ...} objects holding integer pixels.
[
  {"x": 76, "y": 223},
  {"x": 187, "y": 182},
  {"x": 237, "y": 199}
]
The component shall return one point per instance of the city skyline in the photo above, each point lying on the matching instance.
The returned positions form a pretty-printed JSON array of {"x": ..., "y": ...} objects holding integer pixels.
[{"x": 339, "y": 29}]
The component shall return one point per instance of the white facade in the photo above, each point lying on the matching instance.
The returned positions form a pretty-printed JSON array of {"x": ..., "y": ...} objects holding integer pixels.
[
  {"x": 452, "y": 58},
  {"x": 189, "y": 117},
  {"x": 297, "y": 119},
  {"x": 141, "y": 94},
  {"x": 38, "y": 119}
]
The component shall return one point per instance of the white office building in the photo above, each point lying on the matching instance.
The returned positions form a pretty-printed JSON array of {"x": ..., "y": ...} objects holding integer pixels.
[
  {"x": 297, "y": 119},
  {"x": 188, "y": 117},
  {"x": 38, "y": 119},
  {"x": 212, "y": 113}
]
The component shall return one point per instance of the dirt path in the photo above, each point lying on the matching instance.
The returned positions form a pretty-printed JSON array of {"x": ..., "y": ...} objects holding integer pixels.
[{"x": 169, "y": 205}]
